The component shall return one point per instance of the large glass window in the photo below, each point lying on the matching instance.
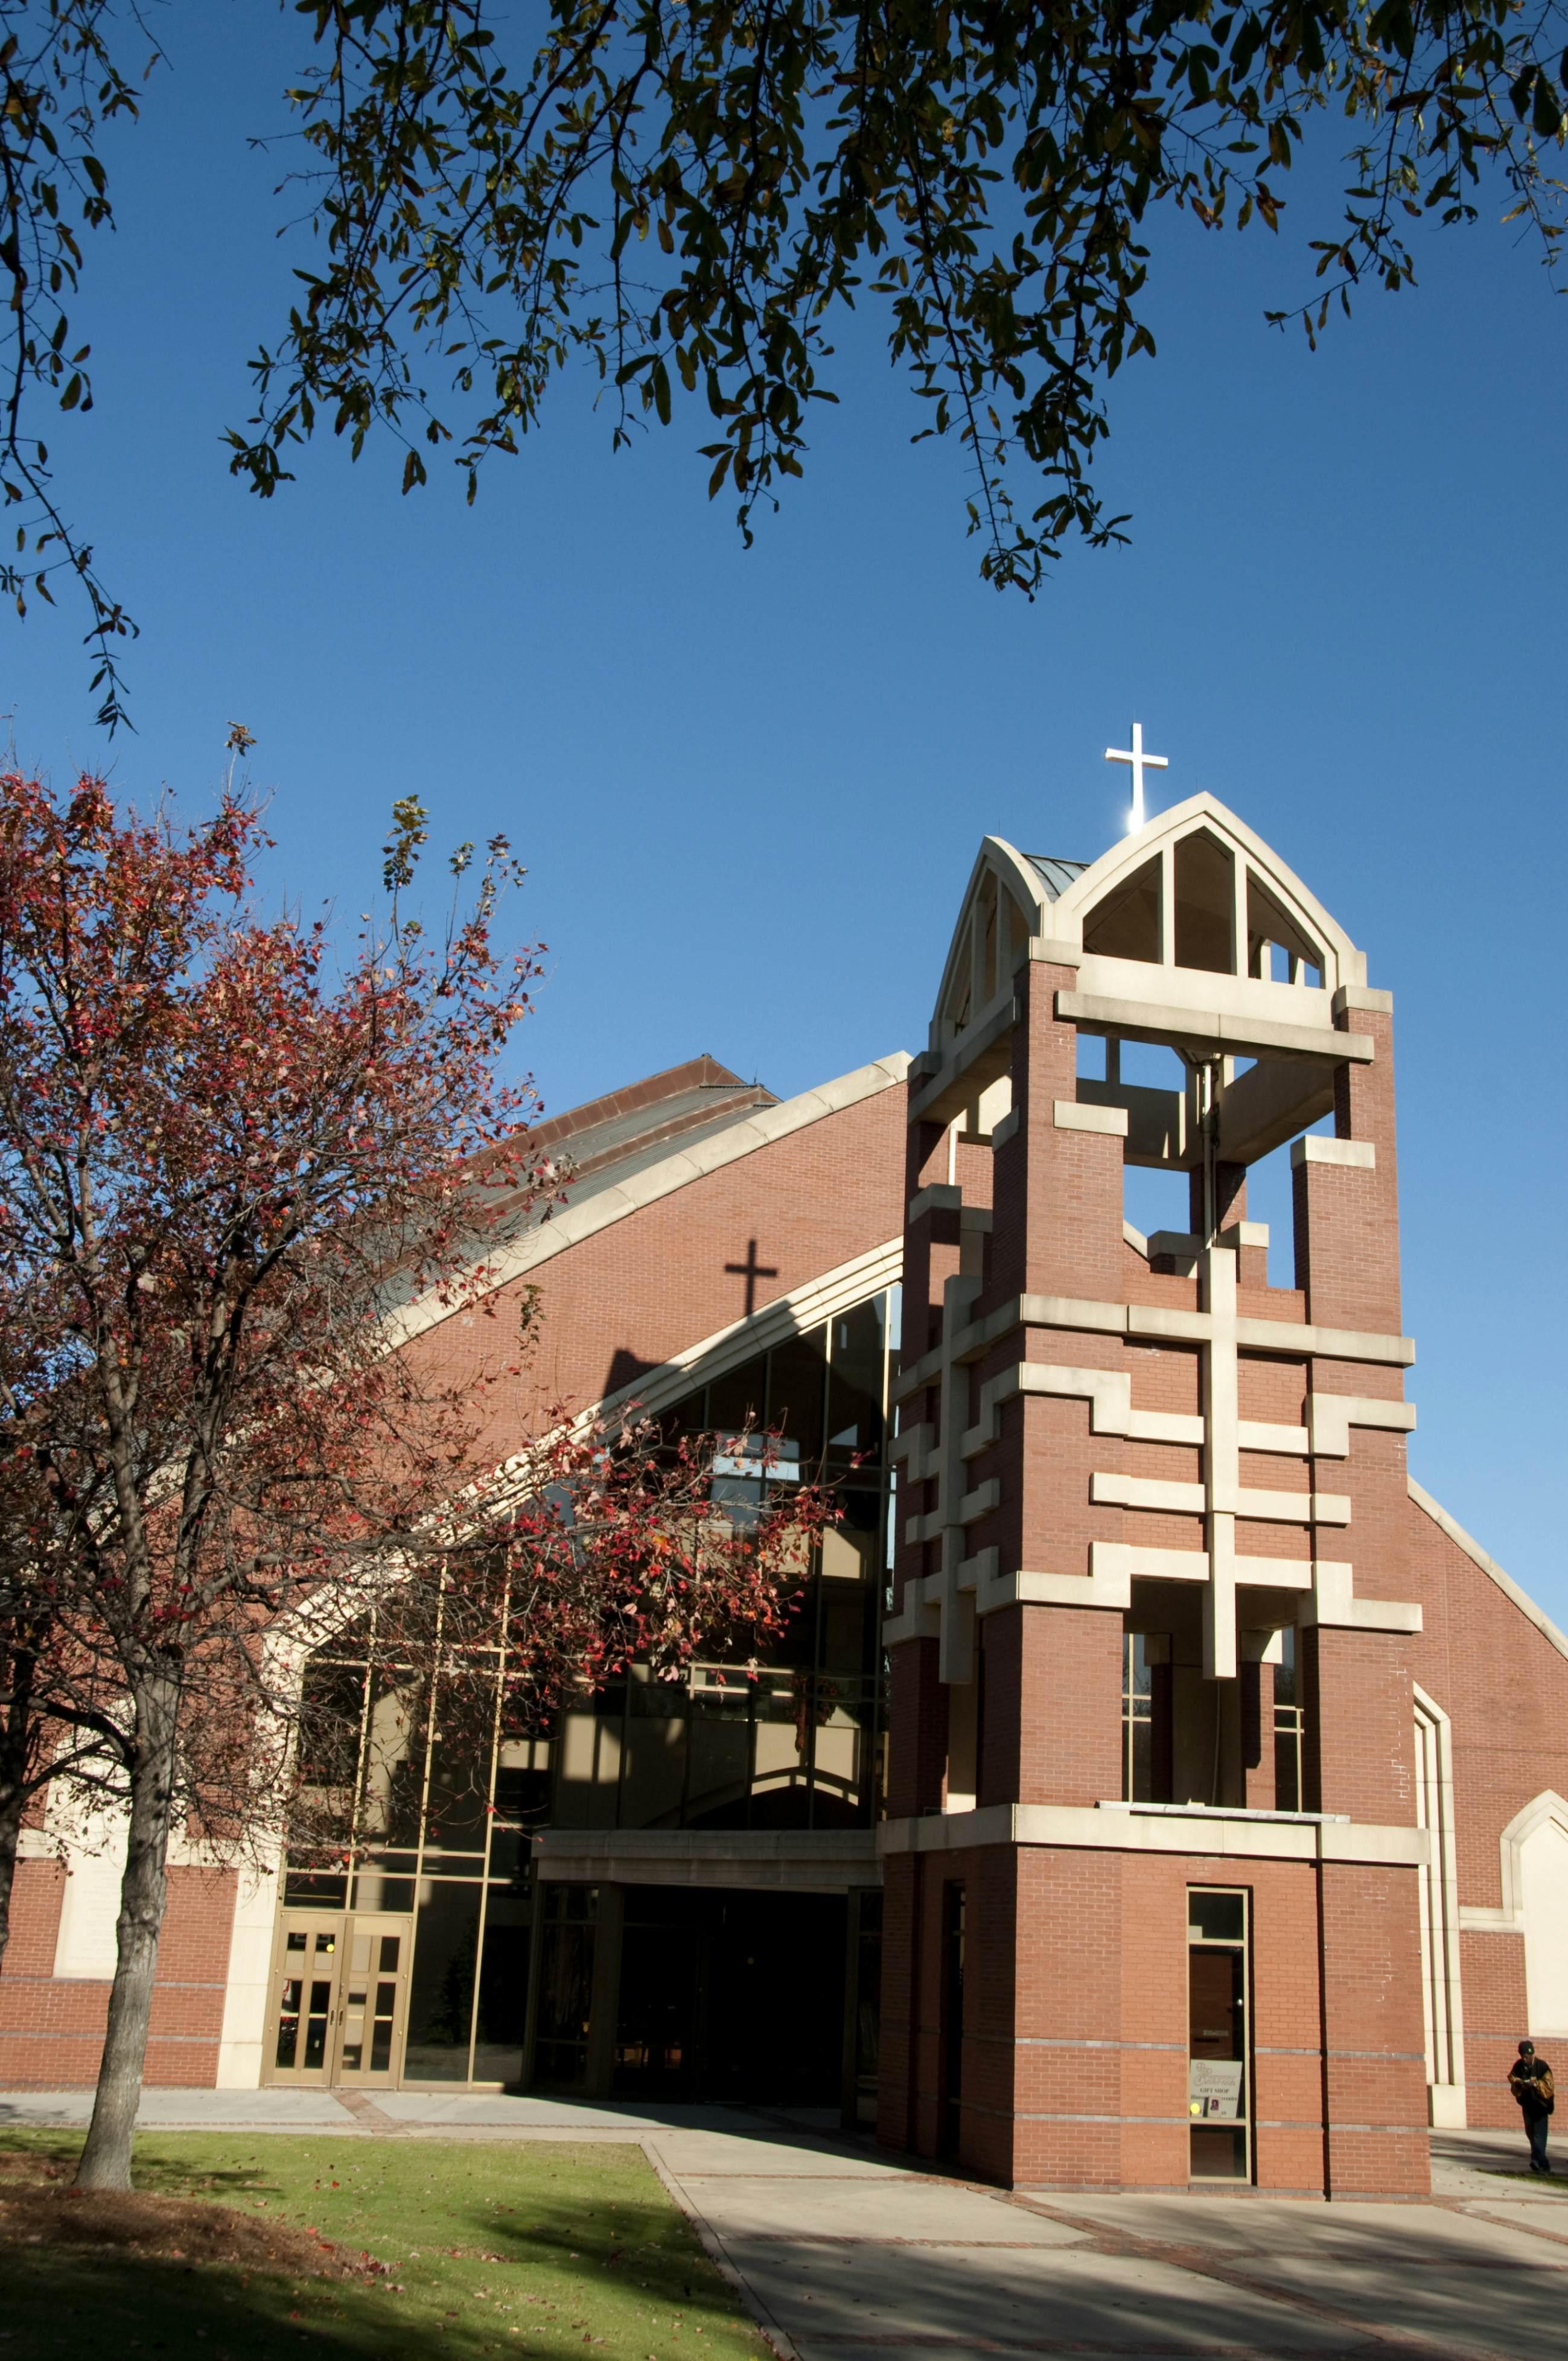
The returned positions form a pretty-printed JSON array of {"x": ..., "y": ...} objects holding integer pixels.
[
  {"x": 566, "y": 1985},
  {"x": 415, "y": 1802},
  {"x": 797, "y": 1739},
  {"x": 414, "y": 1805}
]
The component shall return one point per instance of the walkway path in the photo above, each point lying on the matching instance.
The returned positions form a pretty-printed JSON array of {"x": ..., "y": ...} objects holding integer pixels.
[{"x": 846, "y": 2254}]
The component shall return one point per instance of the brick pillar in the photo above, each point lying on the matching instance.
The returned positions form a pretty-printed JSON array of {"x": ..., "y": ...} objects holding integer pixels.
[
  {"x": 1045, "y": 1926},
  {"x": 900, "y": 2000},
  {"x": 917, "y": 1711},
  {"x": 1361, "y": 1733},
  {"x": 1071, "y": 2094},
  {"x": 990, "y": 2013},
  {"x": 926, "y": 2077},
  {"x": 1360, "y": 1748},
  {"x": 1375, "y": 2141},
  {"x": 1057, "y": 1231},
  {"x": 1255, "y": 1682},
  {"x": 1057, "y": 1192},
  {"x": 917, "y": 1725}
]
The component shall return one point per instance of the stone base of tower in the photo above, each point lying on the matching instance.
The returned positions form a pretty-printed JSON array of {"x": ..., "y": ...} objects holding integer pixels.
[{"x": 1053, "y": 2014}]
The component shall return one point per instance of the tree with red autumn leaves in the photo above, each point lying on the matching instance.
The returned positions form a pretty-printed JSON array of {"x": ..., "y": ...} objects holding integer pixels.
[
  {"x": 223, "y": 1164},
  {"x": 606, "y": 1544}
]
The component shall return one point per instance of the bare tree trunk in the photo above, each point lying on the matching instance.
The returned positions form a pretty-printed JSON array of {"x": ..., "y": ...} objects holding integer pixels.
[
  {"x": 16, "y": 1750},
  {"x": 106, "y": 2162}
]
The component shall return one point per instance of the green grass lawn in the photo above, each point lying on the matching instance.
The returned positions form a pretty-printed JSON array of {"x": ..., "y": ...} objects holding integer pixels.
[{"x": 539, "y": 2249}]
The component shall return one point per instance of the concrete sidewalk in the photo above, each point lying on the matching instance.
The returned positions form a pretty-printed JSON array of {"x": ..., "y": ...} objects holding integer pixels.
[
  {"x": 443, "y": 2114},
  {"x": 844, "y": 2254}
]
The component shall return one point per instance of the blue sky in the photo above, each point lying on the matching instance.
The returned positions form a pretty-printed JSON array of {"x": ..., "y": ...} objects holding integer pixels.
[{"x": 749, "y": 787}]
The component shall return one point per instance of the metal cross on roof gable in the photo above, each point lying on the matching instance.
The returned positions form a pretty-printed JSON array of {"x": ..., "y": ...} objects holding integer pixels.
[{"x": 1140, "y": 761}]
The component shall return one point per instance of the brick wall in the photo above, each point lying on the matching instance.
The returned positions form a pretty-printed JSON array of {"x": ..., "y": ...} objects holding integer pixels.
[
  {"x": 52, "y": 2028},
  {"x": 629, "y": 1296},
  {"x": 1076, "y": 2037},
  {"x": 1504, "y": 1686}
]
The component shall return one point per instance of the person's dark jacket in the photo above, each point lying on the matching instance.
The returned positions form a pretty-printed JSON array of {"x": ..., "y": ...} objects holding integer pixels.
[{"x": 1530, "y": 2080}]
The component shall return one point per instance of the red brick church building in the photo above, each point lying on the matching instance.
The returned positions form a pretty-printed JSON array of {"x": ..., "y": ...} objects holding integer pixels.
[{"x": 1155, "y": 1785}]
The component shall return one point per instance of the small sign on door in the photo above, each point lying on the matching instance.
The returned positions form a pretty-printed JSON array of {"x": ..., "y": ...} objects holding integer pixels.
[{"x": 1214, "y": 2090}]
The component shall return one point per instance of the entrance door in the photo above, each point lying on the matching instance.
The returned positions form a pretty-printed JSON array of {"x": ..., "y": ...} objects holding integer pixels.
[
  {"x": 339, "y": 1993},
  {"x": 375, "y": 1982},
  {"x": 304, "y": 1996}
]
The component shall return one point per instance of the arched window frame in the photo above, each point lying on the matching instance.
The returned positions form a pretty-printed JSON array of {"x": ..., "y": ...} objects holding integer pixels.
[{"x": 1342, "y": 964}]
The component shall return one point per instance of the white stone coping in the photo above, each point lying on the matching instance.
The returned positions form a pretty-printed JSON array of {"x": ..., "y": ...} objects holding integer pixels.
[
  {"x": 1489, "y": 1567},
  {"x": 1290, "y": 1338},
  {"x": 824, "y": 1859},
  {"x": 1050, "y": 950},
  {"x": 682, "y": 1165},
  {"x": 1316, "y": 1147},
  {"x": 1239, "y": 1033},
  {"x": 1186, "y": 1246},
  {"x": 935, "y": 1081},
  {"x": 1194, "y": 1829},
  {"x": 1070, "y": 1115},
  {"x": 947, "y": 1197}
]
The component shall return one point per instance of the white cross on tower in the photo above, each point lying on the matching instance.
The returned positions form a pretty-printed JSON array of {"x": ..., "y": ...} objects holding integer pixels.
[{"x": 1140, "y": 763}]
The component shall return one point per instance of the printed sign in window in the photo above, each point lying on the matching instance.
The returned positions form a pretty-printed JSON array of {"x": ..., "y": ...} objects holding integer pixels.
[{"x": 1214, "y": 2090}]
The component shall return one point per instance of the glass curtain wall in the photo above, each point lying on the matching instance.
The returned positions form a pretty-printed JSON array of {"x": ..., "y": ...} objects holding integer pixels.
[
  {"x": 406, "y": 1820},
  {"x": 433, "y": 1830},
  {"x": 801, "y": 1744}
]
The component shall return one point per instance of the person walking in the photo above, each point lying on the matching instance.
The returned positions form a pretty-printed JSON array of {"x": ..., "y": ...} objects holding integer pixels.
[{"x": 1530, "y": 2080}]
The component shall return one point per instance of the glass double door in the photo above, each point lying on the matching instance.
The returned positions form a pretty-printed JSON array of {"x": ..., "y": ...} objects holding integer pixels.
[{"x": 339, "y": 1998}]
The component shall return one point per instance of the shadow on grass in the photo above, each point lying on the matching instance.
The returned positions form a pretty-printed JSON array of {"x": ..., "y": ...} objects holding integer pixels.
[
  {"x": 154, "y": 2175},
  {"x": 60, "y": 2300},
  {"x": 497, "y": 2251}
]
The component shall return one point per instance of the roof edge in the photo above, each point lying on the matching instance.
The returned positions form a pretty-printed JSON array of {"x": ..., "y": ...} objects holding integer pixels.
[
  {"x": 1489, "y": 1566},
  {"x": 567, "y": 1228},
  {"x": 702, "y": 1073}
]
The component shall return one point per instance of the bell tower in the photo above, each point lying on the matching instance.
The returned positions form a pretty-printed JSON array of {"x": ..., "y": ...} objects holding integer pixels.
[{"x": 1152, "y": 1859}]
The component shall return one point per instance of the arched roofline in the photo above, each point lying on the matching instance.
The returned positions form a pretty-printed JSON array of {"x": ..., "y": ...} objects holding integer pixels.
[
  {"x": 1203, "y": 810},
  {"x": 995, "y": 858}
]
